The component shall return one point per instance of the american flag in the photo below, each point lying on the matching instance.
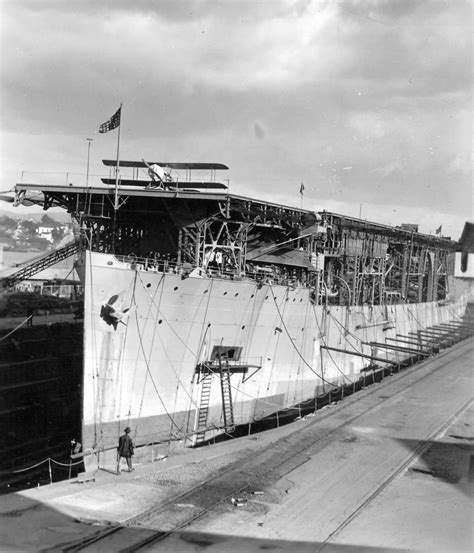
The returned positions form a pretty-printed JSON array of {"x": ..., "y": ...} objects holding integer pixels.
[
  {"x": 112, "y": 123},
  {"x": 301, "y": 188}
]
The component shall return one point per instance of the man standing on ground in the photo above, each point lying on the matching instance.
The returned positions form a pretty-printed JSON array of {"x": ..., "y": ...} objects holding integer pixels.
[{"x": 125, "y": 449}]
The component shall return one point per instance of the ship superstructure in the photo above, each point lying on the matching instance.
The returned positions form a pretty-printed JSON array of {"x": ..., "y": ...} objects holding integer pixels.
[{"x": 205, "y": 310}]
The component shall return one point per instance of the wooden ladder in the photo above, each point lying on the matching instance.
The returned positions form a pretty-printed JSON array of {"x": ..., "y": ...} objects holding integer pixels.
[
  {"x": 201, "y": 426},
  {"x": 227, "y": 407}
]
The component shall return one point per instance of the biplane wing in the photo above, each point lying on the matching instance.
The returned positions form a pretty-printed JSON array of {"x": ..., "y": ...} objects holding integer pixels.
[
  {"x": 171, "y": 165},
  {"x": 179, "y": 185}
]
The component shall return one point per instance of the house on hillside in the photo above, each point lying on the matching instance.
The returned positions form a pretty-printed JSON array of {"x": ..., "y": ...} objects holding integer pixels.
[{"x": 46, "y": 233}]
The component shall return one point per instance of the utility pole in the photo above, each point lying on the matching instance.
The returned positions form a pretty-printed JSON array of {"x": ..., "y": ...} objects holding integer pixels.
[{"x": 89, "y": 140}]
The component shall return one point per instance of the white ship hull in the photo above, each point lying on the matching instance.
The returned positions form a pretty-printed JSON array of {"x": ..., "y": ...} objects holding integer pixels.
[{"x": 142, "y": 373}]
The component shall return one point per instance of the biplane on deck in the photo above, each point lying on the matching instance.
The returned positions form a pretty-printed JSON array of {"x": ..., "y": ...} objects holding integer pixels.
[{"x": 159, "y": 174}]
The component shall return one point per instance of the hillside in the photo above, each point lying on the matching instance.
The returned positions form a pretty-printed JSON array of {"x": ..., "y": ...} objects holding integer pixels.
[{"x": 39, "y": 232}]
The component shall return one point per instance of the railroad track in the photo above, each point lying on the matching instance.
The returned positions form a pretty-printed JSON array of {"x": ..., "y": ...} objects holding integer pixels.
[
  {"x": 423, "y": 446},
  {"x": 263, "y": 468}
]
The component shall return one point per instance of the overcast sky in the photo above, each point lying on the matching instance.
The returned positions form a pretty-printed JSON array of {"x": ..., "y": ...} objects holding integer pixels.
[{"x": 367, "y": 102}]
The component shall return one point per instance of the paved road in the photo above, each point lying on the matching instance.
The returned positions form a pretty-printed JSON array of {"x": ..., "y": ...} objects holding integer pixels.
[{"x": 388, "y": 469}]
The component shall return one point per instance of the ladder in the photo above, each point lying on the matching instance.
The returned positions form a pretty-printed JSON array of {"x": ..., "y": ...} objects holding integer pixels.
[
  {"x": 227, "y": 408},
  {"x": 40, "y": 264},
  {"x": 201, "y": 425}
]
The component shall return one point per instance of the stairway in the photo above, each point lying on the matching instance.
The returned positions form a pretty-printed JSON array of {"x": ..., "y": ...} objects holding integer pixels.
[
  {"x": 201, "y": 425},
  {"x": 41, "y": 264}
]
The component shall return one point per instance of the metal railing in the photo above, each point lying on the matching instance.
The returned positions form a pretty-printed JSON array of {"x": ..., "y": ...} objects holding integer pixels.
[{"x": 259, "y": 275}]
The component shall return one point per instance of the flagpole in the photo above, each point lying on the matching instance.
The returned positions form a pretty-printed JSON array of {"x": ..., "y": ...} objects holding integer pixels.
[{"x": 118, "y": 161}]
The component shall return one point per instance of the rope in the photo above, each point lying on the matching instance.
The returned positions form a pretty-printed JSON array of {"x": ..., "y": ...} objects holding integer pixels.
[
  {"x": 325, "y": 344},
  {"x": 66, "y": 464},
  {"x": 32, "y": 466},
  {"x": 417, "y": 321},
  {"x": 152, "y": 380},
  {"x": 249, "y": 395},
  {"x": 16, "y": 328},
  {"x": 161, "y": 282},
  {"x": 348, "y": 332},
  {"x": 214, "y": 372},
  {"x": 122, "y": 362},
  {"x": 48, "y": 459},
  {"x": 179, "y": 380},
  {"x": 94, "y": 364},
  {"x": 294, "y": 345},
  {"x": 209, "y": 368}
]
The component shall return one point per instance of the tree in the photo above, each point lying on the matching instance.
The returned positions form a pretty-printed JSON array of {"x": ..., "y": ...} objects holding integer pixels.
[{"x": 47, "y": 221}]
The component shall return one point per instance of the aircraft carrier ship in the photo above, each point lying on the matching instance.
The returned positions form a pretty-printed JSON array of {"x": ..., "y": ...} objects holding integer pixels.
[{"x": 205, "y": 310}]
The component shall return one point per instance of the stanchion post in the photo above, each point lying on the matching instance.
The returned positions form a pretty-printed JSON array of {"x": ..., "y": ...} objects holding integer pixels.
[
  {"x": 50, "y": 471},
  {"x": 71, "y": 449}
]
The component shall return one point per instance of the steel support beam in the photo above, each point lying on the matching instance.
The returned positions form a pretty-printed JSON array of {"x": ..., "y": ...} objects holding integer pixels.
[
  {"x": 463, "y": 329},
  {"x": 410, "y": 342},
  {"x": 411, "y": 334},
  {"x": 423, "y": 338},
  {"x": 397, "y": 348},
  {"x": 432, "y": 333},
  {"x": 360, "y": 355}
]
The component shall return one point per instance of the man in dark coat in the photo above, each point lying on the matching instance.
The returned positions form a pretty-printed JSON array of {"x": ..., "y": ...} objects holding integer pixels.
[{"x": 125, "y": 449}]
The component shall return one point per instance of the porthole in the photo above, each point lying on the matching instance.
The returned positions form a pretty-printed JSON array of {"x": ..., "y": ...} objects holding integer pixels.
[
  {"x": 225, "y": 294},
  {"x": 294, "y": 299},
  {"x": 243, "y": 326},
  {"x": 252, "y": 296},
  {"x": 236, "y": 294},
  {"x": 110, "y": 262},
  {"x": 148, "y": 285},
  {"x": 266, "y": 297},
  {"x": 205, "y": 291},
  {"x": 175, "y": 288},
  {"x": 301, "y": 300},
  {"x": 160, "y": 321}
]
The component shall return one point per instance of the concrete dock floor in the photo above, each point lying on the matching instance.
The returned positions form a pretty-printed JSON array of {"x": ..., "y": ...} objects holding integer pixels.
[{"x": 390, "y": 468}]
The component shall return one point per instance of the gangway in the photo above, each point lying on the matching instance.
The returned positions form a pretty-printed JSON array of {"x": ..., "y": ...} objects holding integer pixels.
[{"x": 40, "y": 264}]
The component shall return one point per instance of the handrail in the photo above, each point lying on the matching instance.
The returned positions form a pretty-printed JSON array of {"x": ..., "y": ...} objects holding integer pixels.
[{"x": 163, "y": 265}]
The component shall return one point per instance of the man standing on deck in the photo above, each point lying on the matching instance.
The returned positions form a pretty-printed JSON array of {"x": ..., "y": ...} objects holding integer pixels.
[{"x": 125, "y": 449}]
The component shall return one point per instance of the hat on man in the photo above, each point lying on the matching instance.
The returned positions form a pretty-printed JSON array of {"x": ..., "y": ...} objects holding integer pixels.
[{"x": 128, "y": 429}]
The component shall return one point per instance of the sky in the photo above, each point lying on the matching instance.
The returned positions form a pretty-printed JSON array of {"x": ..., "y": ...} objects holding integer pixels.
[{"x": 366, "y": 102}]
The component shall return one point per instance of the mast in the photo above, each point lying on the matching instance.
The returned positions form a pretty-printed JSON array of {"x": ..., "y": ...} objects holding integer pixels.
[{"x": 116, "y": 206}]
